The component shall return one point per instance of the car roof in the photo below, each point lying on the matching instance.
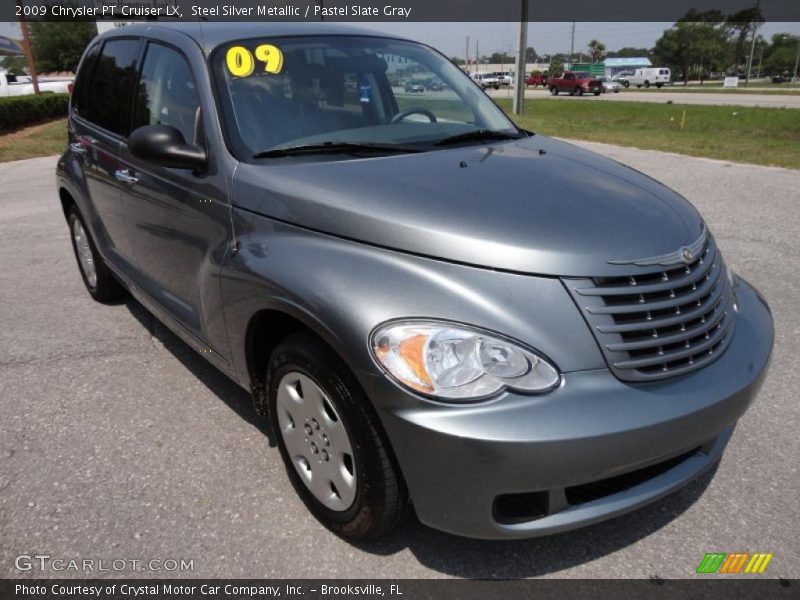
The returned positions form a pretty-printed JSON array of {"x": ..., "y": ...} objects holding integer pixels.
[{"x": 210, "y": 35}]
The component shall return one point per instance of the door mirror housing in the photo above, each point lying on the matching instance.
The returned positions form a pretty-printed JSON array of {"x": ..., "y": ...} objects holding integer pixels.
[{"x": 164, "y": 145}]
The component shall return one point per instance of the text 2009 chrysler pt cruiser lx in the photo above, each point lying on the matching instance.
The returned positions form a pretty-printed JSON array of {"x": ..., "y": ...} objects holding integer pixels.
[{"x": 513, "y": 359}]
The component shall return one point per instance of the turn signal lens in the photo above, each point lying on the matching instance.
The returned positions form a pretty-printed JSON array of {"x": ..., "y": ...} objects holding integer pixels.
[{"x": 458, "y": 363}]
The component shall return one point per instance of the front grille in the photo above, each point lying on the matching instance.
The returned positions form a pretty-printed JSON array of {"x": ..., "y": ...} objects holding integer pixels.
[{"x": 653, "y": 324}]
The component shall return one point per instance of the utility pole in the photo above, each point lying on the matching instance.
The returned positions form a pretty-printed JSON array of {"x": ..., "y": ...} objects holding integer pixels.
[
  {"x": 572, "y": 46},
  {"x": 477, "y": 56},
  {"x": 466, "y": 55},
  {"x": 753, "y": 44},
  {"x": 796, "y": 62},
  {"x": 26, "y": 47},
  {"x": 518, "y": 103}
]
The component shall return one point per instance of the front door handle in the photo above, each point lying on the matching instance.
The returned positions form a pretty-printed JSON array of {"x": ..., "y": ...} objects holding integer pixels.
[
  {"x": 125, "y": 176},
  {"x": 78, "y": 148}
]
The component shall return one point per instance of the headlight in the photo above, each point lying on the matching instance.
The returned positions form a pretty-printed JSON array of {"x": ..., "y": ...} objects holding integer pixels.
[{"x": 457, "y": 363}]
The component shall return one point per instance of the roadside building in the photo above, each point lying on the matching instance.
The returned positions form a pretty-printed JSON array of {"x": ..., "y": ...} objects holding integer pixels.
[{"x": 620, "y": 65}]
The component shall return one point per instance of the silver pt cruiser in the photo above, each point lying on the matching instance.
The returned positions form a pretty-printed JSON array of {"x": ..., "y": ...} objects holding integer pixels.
[{"x": 511, "y": 360}]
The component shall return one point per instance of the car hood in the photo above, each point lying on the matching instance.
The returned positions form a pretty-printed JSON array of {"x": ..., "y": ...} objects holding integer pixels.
[{"x": 535, "y": 205}]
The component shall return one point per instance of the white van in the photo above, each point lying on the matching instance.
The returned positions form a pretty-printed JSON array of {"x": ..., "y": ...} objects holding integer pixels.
[{"x": 656, "y": 76}]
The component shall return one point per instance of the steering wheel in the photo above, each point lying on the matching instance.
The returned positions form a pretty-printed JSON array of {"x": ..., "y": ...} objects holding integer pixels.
[{"x": 413, "y": 111}]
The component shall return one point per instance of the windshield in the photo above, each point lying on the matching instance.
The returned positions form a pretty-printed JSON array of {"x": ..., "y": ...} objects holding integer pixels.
[{"x": 286, "y": 92}]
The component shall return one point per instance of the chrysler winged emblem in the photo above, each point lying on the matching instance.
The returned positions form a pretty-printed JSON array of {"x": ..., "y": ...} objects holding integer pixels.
[{"x": 684, "y": 255}]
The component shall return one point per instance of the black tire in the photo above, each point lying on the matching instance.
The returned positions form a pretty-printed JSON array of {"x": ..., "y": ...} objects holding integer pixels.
[
  {"x": 596, "y": 93},
  {"x": 579, "y": 91},
  {"x": 658, "y": 85},
  {"x": 646, "y": 84},
  {"x": 107, "y": 289},
  {"x": 626, "y": 83},
  {"x": 381, "y": 498},
  {"x": 553, "y": 91}
]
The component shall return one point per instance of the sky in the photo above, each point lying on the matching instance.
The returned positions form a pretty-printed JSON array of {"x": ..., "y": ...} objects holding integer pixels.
[{"x": 546, "y": 38}]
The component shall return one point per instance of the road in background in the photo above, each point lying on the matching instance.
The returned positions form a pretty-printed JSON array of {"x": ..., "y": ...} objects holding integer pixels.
[
  {"x": 117, "y": 440},
  {"x": 663, "y": 95}
]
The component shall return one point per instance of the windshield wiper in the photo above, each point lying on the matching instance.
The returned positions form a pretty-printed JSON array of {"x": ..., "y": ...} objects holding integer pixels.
[
  {"x": 336, "y": 148},
  {"x": 478, "y": 135}
]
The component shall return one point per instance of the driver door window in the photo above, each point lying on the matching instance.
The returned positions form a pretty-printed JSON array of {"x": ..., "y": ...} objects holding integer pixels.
[{"x": 167, "y": 94}]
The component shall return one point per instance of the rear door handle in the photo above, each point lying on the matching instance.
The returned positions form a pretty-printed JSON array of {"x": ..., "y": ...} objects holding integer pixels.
[{"x": 125, "y": 176}]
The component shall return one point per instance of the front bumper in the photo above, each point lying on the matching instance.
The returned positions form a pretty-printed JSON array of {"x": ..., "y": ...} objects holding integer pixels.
[{"x": 594, "y": 448}]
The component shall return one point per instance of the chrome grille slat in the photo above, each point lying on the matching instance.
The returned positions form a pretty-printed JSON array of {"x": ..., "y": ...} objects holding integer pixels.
[
  {"x": 667, "y": 357},
  {"x": 716, "y": 315},
  {"x": 685, "y": 298},
  {"x": 669, "y": 321},
  {"x": 660, "y": 320}
]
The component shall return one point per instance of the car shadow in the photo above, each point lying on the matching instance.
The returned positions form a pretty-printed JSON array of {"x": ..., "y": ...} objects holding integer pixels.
[
  {"x": 237, "y": 399},
  {"x": 449, "y": 554}
]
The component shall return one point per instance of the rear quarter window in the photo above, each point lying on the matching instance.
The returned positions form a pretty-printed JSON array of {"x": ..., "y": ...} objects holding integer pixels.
[{"x": 107, "y": 100}]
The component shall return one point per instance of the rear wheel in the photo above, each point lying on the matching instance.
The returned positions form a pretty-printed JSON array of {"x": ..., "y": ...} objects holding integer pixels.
[
  {"x": 626, "y": 83},
  {"x": 646, "y": 84},
  {"x": 597, "y": 93},
  {"x": 336, "y": 454},
  {"x": 658, "y": 85},
  {"x": 97, "y": 277},
  {"x": 553, "y": 90},
  {"x": 579, "y": 91}
]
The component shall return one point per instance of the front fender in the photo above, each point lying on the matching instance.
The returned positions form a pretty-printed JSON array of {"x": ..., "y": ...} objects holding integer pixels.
[{"x": 342, "y": 289}]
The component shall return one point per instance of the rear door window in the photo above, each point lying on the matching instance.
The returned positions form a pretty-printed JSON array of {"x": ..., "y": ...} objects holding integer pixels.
[
  {"x": 107, "y": 101},
  {"x": 167, "y": 94}
]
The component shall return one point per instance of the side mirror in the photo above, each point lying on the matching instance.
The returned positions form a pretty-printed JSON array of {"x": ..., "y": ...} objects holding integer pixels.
[{"x": 164, "y": 145}]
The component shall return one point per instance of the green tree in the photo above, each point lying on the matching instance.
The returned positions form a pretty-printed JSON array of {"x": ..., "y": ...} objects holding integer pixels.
[
  {"x": 530, "y": 54},
  {"x": 457, "y": 61},
  {"x": 597, "y": 50},
  {"x": 628, "y": 52},
  {"x": 556, "y": 66},
  {"x": 16, "y": 65},
  {"x": 58, "y": 45},
  {"x": 741, "y": 25},
  {"x": 693, "y": 46},
  {"x": 781, "y": 55}
]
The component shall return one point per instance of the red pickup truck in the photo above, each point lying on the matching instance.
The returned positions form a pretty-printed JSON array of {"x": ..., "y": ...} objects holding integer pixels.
[
  {"x": 536, "y": 79},
  {"x": 576, "y": 83}
]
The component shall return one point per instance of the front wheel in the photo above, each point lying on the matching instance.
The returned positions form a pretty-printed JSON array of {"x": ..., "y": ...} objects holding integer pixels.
[
  {"x": 626, "y": 83},
  {"x": 579, "y": 91},
  {"x": 658, "y": 85},
  {"x": 554, "y": 91},
  {"x": 336, "y": 454},
  {"x": 596, "y": 93},
  {"x": 97, "y": 277},
  {"x": 646, "y": 84}
]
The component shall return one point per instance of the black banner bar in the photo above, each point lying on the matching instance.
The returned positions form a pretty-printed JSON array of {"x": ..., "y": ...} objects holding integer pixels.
[
  {"x": 730, "y": 587},
  {"x": 389, "y": 10}
]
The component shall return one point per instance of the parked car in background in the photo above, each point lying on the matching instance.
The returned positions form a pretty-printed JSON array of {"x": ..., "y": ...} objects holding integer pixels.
[
  {"x": 414, "y": 327},
  {"x": 610, "y": 86},
  {"x": 506, "y": 77},
  {"x": 657, "y": 76},
  {"x": 414, "y": 87},
  {"x": 433, "y": 85},
  {"x": 623, "y": 78},
  {"x": 575, "y": 83},
  {"x": 11, "y": 85},
  {"x": 536, "y": 79},
  {"x": 487, "y": 80}
]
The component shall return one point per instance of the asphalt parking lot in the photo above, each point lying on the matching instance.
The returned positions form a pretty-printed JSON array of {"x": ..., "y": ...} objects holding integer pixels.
[{"x": 116, "y": 440}]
